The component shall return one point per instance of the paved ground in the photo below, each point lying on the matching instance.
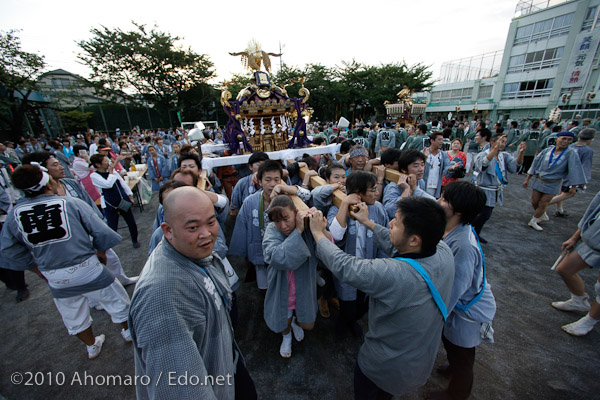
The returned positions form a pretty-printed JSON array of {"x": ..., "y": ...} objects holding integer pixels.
[{"x": 532, "y": 357}]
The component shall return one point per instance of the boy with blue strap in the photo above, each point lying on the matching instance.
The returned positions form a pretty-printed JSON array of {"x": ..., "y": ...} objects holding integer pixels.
[
  {"x": 472, "y": 304},
  {"x": 494, "y": 164},
  {"x": 405, "y": 323}
]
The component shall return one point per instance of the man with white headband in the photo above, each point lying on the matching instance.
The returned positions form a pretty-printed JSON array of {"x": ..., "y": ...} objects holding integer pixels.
[
  {"x": 72, "y": 188},
  {"x": 53, "y": 233}
]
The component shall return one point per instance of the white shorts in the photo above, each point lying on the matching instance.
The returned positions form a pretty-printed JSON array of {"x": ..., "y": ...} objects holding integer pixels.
[{"x": 75, "y": 311}]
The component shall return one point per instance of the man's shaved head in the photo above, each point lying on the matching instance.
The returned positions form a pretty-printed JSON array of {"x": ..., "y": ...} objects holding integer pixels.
[
  {"x": 180, "y": 197},
  {"x": 191, "y": 225}
]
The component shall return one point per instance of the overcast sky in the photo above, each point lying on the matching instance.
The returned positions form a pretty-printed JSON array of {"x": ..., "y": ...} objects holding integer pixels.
[{"x": 325, "y": 32}]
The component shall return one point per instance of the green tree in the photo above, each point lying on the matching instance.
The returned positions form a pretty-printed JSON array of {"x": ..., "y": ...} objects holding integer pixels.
[
  {"x": 19, "y": 71},
  {"x": 370, "y": 86},
  {"x": 354, "y": 89},
  {"x": 326, "y": 90},
  {"x": 75, "y": 120},
  {"x": 201, "y": 103},
  {"x": 144, "y": 63},
  {"x": 238, "y": 82}
]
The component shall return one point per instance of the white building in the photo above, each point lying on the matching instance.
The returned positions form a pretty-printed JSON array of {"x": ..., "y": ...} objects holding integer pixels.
[
  {"x": 68, "y": 90},
  {"x": 550, "y": 51}
]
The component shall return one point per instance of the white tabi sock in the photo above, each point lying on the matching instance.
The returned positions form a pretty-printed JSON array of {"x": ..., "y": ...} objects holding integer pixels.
[
  {"x": 285, "y": 350},
  {"x": 581, "y": 327},
  {"x": 298, "y": 331}
]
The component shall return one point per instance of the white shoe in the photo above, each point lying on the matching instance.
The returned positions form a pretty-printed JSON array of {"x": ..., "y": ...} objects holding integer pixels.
[
  {"x": 573, "y": 304},
  {"x": 95, "y": 349},
  {"x": 126, "y": 335},
  {"x": 533, "y": 223},
  {"x": 298, "y": 331},
  {"x": 130, "y": 281},
  {"x": 320, "y": 281},
  {"x": 544, "y": 217},
  {"x": 97, "y": 306},
  {"x": 581, "y": 327},
  {"x": 285, "y": 350}
]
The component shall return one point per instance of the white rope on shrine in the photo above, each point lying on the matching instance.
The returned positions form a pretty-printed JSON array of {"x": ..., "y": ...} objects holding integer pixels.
[
  {"x": 283, "y": 123},
  {"x": 252, "y": 130},
  {"x": 273, "y": 126},
  {"x": 262, "y": 126}
]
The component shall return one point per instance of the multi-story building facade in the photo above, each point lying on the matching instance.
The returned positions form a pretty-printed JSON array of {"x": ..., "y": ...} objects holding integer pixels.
[
  {"x": 550, "y": 59},
  {"x": 68, "y": 90}
]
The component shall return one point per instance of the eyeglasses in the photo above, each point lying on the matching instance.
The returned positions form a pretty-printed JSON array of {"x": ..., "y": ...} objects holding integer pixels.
[{"x": 372, "y": 190}]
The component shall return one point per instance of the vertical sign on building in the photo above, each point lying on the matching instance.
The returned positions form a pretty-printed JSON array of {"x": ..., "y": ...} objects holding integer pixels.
[{"x": 581, "y": 59}]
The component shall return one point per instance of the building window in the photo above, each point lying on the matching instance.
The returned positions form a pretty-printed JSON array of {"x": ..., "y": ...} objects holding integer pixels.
[
  {"x": 528, "y": 89},
  {"x": 546, "y": 29},
  {"x": 62, "y": 83},
  {"x": 485, "y": 92},
  {"x": 452, "y": 95},
  {"x": 589, "y": 18},
  {"x": 549, "y": 58}
]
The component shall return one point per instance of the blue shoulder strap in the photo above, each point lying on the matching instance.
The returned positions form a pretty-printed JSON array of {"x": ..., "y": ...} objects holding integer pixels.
[
  {"x": 434, "y": 292},
  {"x": 476, "y": 298}
]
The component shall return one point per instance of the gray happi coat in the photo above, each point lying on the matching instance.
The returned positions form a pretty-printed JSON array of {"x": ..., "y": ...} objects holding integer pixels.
[
  {"x": 405, "y": 323},
  {"x": 463, "y": 326},
  {"x": 377, "y": 214},
  {"x": 295, "y": 252},
  {"x": 63, "y": 241},
  {"x": 180, "y": 324},
  {"x": 488, "y": 179},
  {"x": 246, "y": 240},
  {"x": 567, "y": 167},
  {"x": 589, "y": 225}
]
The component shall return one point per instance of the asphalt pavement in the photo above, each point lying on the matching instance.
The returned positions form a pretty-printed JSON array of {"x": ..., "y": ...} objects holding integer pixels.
[{"x": 531, "y": 357}]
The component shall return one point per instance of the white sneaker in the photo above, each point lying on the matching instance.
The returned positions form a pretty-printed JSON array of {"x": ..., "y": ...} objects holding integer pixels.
[
  {"x": 573, "y": 304},
  {"x": 285, "y": 350},
  {"x": 581, "y": 327},
  {"x": 126, "y": 335},
  {"x": 544, "y": 217},
  {"x": 533, "y": 223},
  {"x": 94, "y": 350}
]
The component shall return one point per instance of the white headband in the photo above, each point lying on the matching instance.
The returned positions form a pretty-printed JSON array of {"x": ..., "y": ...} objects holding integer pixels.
[{"x": 43, "y": 182}]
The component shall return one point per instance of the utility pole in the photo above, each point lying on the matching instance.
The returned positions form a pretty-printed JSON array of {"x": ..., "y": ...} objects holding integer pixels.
[{"x": 281, "y": 63}]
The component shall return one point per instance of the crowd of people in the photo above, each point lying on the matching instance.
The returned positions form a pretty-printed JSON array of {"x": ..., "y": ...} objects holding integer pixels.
[{"x": 315, "y": 233}]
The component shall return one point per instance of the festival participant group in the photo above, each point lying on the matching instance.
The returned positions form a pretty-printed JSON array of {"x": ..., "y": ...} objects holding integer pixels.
[{"x": 391, "y": 227}]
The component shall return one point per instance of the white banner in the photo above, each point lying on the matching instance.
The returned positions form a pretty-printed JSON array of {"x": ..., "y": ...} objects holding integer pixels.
[{"x": 582, "y": 56}]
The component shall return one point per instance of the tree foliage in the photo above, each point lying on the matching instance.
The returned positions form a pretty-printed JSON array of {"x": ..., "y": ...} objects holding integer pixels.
[
  {"x": 75, "y": 120},
  {"x": 200, "y": 103},
  {"x": 19, "y": 71},
  {"x": 354, "y": 89},
  {"x": 144, "y": 63}
]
